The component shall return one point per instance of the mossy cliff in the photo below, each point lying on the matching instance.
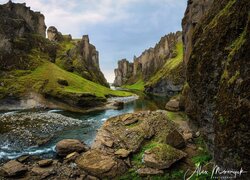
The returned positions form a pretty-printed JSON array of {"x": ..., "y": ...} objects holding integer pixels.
[
  {"x": 32, "y": 73},
  {"x": 217, "y": 91},
  {"x": 78, "y": 56},
  {"x": 158, "y": 70}
]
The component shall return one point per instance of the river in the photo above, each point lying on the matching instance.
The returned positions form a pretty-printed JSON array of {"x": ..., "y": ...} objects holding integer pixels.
[{"x": 20, "y": 131}]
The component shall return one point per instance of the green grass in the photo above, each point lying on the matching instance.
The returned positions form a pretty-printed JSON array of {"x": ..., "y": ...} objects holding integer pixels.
[
  {"x": 44, "y": 78},
  {"x": 172, "y": 68},
  {"x": 203, "y": 156},
  {"x": 139, "y": 85},
  {"x": 174, "y": 116}
]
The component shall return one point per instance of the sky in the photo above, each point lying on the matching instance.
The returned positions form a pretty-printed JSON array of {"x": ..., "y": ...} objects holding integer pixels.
[{"x": 118, "y": 28}]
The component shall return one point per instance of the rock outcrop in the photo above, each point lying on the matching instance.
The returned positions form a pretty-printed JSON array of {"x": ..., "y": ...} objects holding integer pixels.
[
  {"x": 21, "y": 29},
  {"x": 78, "y": 56},
  {"x": 123, "y": 136},
  {"x": 217, "y": 90},
  {"x": 54, "y": 35},
  {"x": 123, "y": 72}
]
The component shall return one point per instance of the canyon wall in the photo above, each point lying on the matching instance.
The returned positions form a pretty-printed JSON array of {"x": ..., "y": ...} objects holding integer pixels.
[
  {"x": 196, "y": 9},
  {"x": 217, "y": 70},
  {"x": 148, "y": 64},
  {"x": 17, "y": 26},
  {"x": 78, "y": 56}
]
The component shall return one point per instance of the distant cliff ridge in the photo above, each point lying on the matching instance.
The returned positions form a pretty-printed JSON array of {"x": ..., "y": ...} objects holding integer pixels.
[{"x": 154, "y": 67}]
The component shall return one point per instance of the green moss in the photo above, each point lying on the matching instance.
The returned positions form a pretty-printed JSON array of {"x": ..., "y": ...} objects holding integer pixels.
[
  {"x": 225, "y": 74},
  {"x": 139, "y": 85},
  {"x": 177, "y": 116},
  {"x": 164, "y": 152},
  {"x": 172, "y": 69},
  {"x": 203, "y": 156},
  {"x": 237, "y": 44},
  {"x": 233, "y": 78},
  {"x": 225, "y": 12},
  {"x": 222, "y": 120},
  {"x": 137, "y": 157}
]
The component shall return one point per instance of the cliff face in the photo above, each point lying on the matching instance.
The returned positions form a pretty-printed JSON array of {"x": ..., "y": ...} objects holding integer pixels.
[
  {"x": 18, "y": 24},
  {"x": 218, "y": 69},
  {"x": 123, "y": 72},
  {"x": 196, "y": 9},
  {"x": 146, "y": 67},
  {"x": 78, "y": 56}
]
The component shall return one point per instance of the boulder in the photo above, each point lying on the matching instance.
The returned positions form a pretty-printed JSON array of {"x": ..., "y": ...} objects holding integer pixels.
[
  {"x": 175, "y": 139},
  {"x": 45, "y": 162},
  {"x": 23, "y": 158},
  {"x": 101, "y": 165},
  {"x": 162, "y": 156},
  {"x": 42, "y": 172},
  {"x": 149, "y": 171},
  {"x": 123, "y": 153},
  {"x": 67, "y": 146},
  {"x": 13, "y": 169},
  {"x": 173, "y": 105},
  {"x": 54, "y": 34}
]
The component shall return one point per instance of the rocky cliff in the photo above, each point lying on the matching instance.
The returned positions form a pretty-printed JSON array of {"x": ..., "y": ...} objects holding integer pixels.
[
  {"x": 18, "y": 24},
  {"x": 196, "y": 9},
  {"x": 151, "y": 67},
  {"x": 78, "y": 56},
  {"x": 33, "y": 69},
  {"x": 218, "y": 69}
]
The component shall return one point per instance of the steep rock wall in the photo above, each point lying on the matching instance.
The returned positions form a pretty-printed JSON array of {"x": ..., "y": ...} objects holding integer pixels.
[
  {"x": 196, "y": 9},
  {"x": 78, "y": 56},
  {"x": 21, "y": 29},
  {"x": 148, "y": 63},
  {"x": 218, "y": 71}
]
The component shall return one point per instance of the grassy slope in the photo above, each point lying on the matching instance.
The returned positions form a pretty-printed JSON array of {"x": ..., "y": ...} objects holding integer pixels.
[
  {"x": 171, "y": 69},
  {"x": 44, "y": 78},
  {"x": 77, "y": 84},
  {"x": 139, "y": 85}
]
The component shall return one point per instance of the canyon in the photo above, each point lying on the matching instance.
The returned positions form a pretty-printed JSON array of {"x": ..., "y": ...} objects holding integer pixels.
[{"x": 202, "y": 71}]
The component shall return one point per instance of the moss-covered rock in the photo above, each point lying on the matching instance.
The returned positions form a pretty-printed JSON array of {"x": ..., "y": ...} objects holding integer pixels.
[
  {"x": 218, "y": 79},
  {"x": 162, "y": 156}
]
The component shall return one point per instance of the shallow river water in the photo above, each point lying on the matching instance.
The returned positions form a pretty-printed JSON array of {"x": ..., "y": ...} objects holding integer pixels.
[{"x": 20, "y": 131}]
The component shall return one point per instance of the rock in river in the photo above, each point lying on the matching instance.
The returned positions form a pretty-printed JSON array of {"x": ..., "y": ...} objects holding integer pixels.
[{"x": 67, "y": 146}]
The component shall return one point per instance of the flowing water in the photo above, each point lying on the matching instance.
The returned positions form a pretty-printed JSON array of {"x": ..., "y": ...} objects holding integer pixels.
[{"x": 20, "y": 131}]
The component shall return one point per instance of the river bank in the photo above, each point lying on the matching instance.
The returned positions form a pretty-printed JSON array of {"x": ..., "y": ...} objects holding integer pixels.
[{"x": 35, "y": 132}]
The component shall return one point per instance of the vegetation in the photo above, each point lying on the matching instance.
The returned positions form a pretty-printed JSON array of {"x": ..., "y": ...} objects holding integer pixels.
[
  {"x": 139, "y": 85},
  {"x": 172, "y": 69},
  {"x": 177, "y": 116},
  {"x": 45, "y": 77}
]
